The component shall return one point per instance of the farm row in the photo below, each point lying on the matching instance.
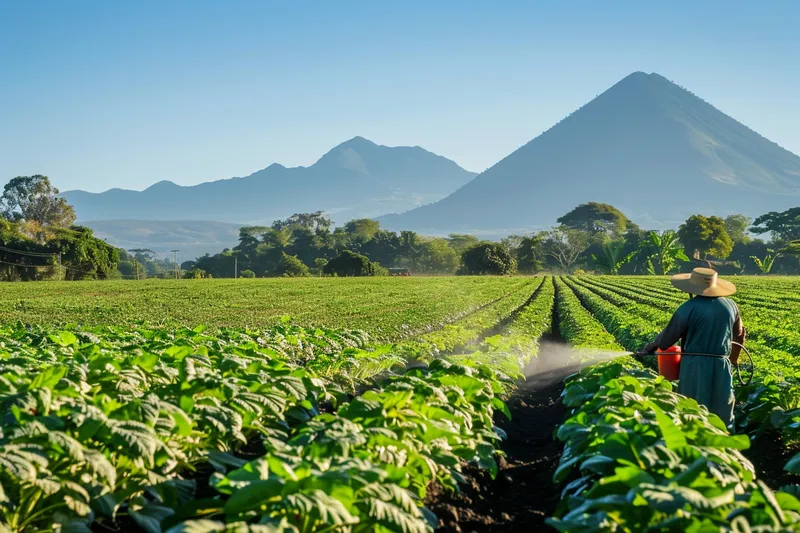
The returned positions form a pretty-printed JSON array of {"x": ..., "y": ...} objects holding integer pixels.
[{"x": 291, "y": 428}]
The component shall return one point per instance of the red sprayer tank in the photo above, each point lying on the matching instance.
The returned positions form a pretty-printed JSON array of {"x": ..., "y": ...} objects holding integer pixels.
[{"x": 669, "y": 363}]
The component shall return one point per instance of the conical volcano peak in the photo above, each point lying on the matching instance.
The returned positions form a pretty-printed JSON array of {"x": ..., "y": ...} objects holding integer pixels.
[{"x": 646, "y": 145}]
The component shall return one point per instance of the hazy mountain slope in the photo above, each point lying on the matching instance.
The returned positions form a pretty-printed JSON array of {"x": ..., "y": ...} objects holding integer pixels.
[
  {"x": 647, "y": 146},
  {"x": 356, "y": 179},
  {"x": 193, "y": 238}
]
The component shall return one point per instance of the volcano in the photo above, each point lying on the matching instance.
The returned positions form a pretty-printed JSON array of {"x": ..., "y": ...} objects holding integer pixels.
[{"x": 647, "y": 146}]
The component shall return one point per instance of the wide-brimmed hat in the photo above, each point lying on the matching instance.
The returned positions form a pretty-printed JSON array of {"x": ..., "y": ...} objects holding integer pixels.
[{"x": 703, "y": 282}]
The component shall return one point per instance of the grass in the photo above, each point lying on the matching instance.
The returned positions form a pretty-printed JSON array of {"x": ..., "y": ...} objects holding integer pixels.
[{"x": 387, "y": 308}]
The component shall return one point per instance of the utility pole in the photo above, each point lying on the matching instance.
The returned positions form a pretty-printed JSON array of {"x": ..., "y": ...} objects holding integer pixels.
[
  {"x": 175, "y": 259},
  {"x": 60, "y": 270},
  {"x": 235, "y": 266}
]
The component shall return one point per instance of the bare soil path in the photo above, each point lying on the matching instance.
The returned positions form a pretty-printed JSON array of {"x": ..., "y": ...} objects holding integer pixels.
[{"x": 522, "y": 495}]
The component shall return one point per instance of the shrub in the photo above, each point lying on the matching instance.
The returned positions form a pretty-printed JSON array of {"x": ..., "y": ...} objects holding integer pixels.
[
  {"x": 349, "y": 263},
  {"x": 196, "y": 273},
  {"x": 487, "y": 258},
  {"x": 291, "y": 267},
  {"x": 247, "y": 274}
]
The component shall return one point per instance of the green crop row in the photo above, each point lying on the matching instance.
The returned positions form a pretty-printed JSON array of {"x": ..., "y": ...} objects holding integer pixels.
[
  {"x": 466, "y": 331},
  {"x": 630, "y": 331},
  {"x": 639, "y": 457},
  {"x": 577, "y": 325}
]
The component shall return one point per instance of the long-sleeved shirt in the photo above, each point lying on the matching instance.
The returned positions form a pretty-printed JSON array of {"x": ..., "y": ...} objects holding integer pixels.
[{"x": 706, "y": 325}]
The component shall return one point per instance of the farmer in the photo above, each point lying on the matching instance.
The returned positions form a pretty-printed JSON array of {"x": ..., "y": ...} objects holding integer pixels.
[{"x": 705, "y": 324}]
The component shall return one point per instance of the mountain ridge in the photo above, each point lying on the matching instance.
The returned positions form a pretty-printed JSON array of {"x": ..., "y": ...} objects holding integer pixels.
[{"x": 357, "y": 178}]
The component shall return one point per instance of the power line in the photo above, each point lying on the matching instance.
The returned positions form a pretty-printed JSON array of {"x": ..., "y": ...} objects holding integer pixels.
[
  {"x": 27, "y": 266},
  {"x": 32, "y": 254}
]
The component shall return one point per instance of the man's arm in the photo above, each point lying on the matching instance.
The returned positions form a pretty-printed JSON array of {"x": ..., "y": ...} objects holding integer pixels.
[
  {"x": 739, "y": 336},
  {"x": 674, "y": 331}
]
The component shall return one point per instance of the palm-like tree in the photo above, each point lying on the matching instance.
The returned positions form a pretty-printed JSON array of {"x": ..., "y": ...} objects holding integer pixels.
[
  {"x": 663, "y": 252},
  {"x": 611, "y": 258}
]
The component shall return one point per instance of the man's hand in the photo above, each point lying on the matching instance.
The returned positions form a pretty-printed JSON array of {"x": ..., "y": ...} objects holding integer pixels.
[
  {"x": 648, "y": 350},
  {"x": 736, "y": 349}
]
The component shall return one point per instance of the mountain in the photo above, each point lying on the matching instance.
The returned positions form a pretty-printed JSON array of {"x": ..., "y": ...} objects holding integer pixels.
[
  {"x": 647, "y": 146},
  {"x": 192, "y": 237},
  {"x": 356, "y": 179}
]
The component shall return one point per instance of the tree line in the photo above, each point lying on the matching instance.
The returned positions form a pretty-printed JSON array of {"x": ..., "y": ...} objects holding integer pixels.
[
  {"x": 592, "y": 237},
  {"x": 39, "y": 240}
]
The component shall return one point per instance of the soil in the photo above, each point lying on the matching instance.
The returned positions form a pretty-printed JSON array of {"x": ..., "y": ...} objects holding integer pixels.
[
  {"x": 769, "y": 453},
  {"x": 522, "y": 495}
]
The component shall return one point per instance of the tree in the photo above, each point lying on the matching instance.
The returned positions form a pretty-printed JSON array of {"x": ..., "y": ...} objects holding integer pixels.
[
  {"x": 487, "y": 258},
  {"x": 611, "y": 257},
  {"x": 33, "y": 198},
  {"x": 291, "y": 267},
  {"x": 530, "y": 253},
  {"x": 793, "y": 248},
  {"x": 349, "y": 263},
  {"x": 663, "y": 252},
  {"x": 783, "y": 226},
  {"x": 460, "y": 242},
  {"x": 736, "y": 226},
  {"x": 319, "y": 265},
  {"x": 565, "y": 245},
  {"x": 435, "y": 256},
  {"x": 705, "y": 236},
  {"x": 363, "y": 227},
  {"x": 765, "y": 265},
  {"x": 317, "y": 222},
  {"x": 596, "y": 218}
]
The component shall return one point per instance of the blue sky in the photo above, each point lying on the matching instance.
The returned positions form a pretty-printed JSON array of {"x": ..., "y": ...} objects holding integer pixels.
[{"x": 100, "y": 94}]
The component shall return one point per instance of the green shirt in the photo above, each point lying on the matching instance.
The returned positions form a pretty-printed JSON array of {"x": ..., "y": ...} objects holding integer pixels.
[{"x": 706, "y": 325}]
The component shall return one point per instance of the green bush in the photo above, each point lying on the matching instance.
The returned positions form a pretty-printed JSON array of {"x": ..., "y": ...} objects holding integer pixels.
[
  {"x": 487, "y": 258},
  {"x": 349, "y": 263},
  {"x": 247, "y": 274},
  {"x": 291, "y": 267}
]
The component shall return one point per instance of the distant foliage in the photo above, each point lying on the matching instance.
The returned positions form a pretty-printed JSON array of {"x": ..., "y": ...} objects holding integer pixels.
[
  {"x": 705, "y": 237},
  {"x": 784, "y": 226},
  {"x": 349, "y": 263},
  {"x": 34, "y": 199},
  {"x": 487, "y": 258},
  {"x": 596, "y": 218},
  {"x": 292, "y": 267},
  {"x": 196, "y": 273},
  {"x": 82, "y": 255}
]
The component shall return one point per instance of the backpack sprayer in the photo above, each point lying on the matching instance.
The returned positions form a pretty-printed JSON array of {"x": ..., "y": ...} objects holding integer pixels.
[{"x": 669, "y": 363}]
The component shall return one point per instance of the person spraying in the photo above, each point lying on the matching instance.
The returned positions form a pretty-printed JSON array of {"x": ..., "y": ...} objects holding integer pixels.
[{"x": 708, "y": 323}]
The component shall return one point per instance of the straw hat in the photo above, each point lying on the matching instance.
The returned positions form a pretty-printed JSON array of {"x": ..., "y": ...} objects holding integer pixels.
[{"x": 703, "y": 282}]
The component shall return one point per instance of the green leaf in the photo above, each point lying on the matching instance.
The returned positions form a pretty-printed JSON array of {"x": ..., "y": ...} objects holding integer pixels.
[
  {"x": 501, "y": 406},
  {"x": 64, "y": 338},
  {"x": 255, "y": 494},
  {"x": 793, "y": 465},
  {"x": 48, "y": 378},
  {"x": 672, "y": 434},
  {"x": 150, "y": 516}
]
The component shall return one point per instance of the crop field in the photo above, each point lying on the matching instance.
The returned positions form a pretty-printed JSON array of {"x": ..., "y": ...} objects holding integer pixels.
[{"x": 396, "y": 404}]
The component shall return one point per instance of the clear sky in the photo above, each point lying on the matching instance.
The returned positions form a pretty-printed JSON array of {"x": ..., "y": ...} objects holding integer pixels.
[{"x": 102, "y": 94}]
